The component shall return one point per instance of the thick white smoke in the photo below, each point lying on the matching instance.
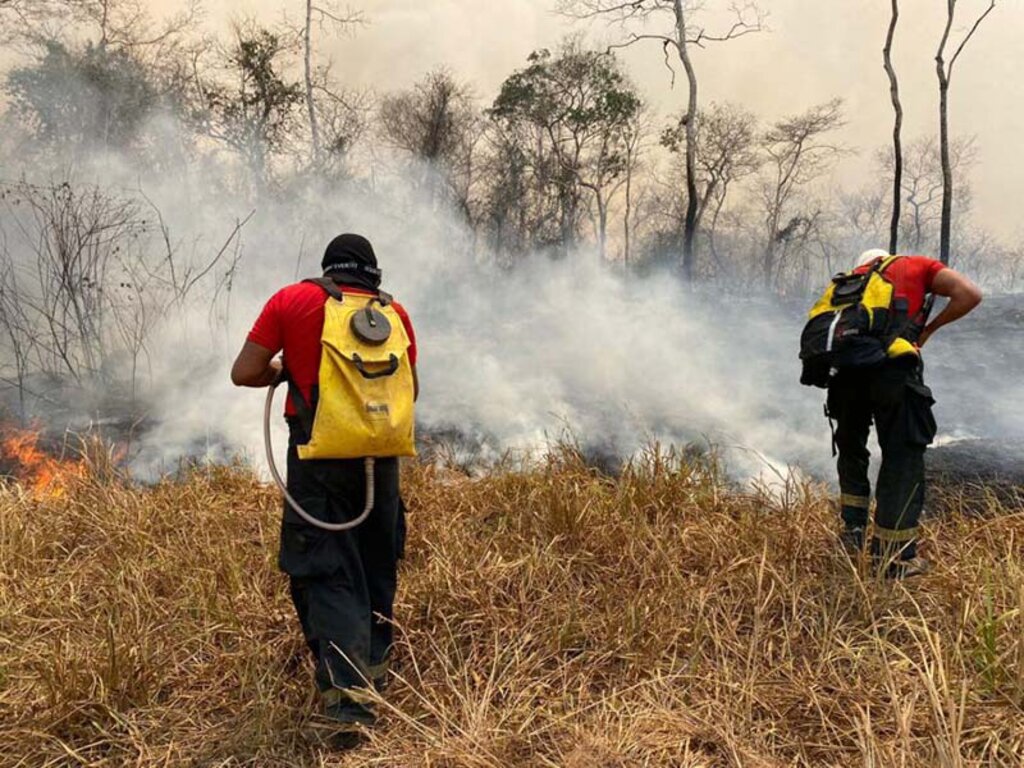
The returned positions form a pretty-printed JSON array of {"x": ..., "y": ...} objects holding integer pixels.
[
  {"x": 508, "y": 358},
  {"x": 514, "y": 358}
]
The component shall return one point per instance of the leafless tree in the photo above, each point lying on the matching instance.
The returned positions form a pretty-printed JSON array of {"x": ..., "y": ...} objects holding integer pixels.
[
  {"x": 323, "y": 15},
  {"x": 92, "y": 72},
  {"x": 114, "y": 25},
  {"x": 944, "y": 72},
  {"x": 897, "y": 148},
  {"x": 863, "y": 217},
  {"x": 634, "y": 143},
  {"x": 342, "y": 118},
  {"x": 797, "y": 152},
  {"x": 1014, "y": 269},
  {"x": 922, "y": 184},
  {"x": 682, "y": 29},
  {"x": 84, "y": 282},
  {"x": 17, "y": 329},
  {"x": 727, "y": 152}
]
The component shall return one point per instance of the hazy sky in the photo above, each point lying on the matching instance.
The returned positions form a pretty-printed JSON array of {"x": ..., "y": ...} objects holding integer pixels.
[{"x": 813, "y": 51}]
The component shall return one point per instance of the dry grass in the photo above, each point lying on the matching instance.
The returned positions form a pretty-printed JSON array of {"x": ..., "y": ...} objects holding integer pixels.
[{"x": 548, "y": 617}]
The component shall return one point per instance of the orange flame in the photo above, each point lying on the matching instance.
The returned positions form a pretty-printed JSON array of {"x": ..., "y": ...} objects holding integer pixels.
[{"x": 44, "y": 475}]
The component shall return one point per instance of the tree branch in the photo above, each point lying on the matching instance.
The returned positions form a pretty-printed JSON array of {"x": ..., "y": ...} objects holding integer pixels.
[{"x": 960, "y": 48}]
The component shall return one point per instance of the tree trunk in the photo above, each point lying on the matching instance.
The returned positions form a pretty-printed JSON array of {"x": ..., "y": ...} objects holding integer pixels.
[
  {"x": 897, "y": 147},
  {"x": 690, "y": 224},
  {"x": 568, "y": 223},
  {"x": 626, "y": 224},
  {"x": 314, "y": 129},
  {"x": 947, "y": 171}
]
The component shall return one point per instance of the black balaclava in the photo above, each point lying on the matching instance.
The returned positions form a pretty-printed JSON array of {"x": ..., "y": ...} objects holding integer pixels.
[{"x": 350, "y": 260}]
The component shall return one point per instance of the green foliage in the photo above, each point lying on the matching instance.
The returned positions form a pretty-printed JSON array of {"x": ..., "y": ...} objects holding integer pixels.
[
  {"x": 567, "y": 119},
  {"x": 263, "y": 94},
  {"x": 254, "y": 117},
  {"x": 578, "y": 96},
  {"x": 94, "y": 96}
]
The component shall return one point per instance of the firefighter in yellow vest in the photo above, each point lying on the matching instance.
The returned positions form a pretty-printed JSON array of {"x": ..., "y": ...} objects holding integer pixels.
[{"x": 342, "y": 581}]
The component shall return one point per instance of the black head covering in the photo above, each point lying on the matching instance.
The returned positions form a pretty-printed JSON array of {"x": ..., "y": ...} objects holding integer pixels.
[{"x": 350, "y": 259}]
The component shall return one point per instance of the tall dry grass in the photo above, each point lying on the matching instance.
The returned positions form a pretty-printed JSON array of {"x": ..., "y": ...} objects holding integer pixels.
[{"x": 548, "y": 616}]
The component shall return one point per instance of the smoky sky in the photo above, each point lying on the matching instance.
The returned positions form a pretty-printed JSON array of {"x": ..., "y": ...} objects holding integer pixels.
[{"x": 812, "y": 52}]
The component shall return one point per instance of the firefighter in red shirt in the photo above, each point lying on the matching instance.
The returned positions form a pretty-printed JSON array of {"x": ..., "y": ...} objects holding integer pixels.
[
  {"x": 894, "y": 396},
  {"x": 342, "y": 582}
]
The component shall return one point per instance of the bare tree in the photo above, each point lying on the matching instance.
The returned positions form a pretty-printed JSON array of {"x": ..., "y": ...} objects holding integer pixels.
[
  {"x": 94, "y": 72},
  {"x": 726, "y": 152},
  {"x": 324, "y": 14},
  {"x": 921, "y": 187},
  {"x": 634, "y": 139},
  {"x": 84, "y": 282},
  {"x": 17, "y": 327},
  {"x": 797, "y": 153},
  {"x": 863, "y": 217},
  {"x": 342, "y": 117},
  {"x": 682, "y": 32},
  {"x": 897, "y": 148},
  {"x": 944, "y": 71},
  {"x": 113, "y": 24}
]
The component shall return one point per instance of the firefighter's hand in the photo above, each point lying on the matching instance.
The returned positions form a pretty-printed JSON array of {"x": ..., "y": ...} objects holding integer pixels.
[
  {"x": 255, "y": 366},
  {"x": 275, "y": 372}
]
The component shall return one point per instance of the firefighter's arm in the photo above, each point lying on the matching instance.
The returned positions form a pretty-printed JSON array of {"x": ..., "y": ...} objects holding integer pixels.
[
  {"x": 963, "y": 295},
  {"x": 255, "y": 366}
]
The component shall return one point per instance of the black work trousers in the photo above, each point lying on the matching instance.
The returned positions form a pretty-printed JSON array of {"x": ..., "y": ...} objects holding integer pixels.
[
  {"x": 343, "y": 582},
  {"x": 894, "y": 396}
]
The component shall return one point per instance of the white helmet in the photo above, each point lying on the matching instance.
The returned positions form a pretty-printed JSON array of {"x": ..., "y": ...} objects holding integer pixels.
[{"x": 870, "y": 255}]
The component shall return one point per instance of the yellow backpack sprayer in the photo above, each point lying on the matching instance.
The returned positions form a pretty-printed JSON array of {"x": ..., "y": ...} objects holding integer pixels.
[{"x": 366, "y": 392}]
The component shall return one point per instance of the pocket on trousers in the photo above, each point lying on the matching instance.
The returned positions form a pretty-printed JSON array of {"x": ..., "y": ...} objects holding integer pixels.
[
  {"x": 921, "y": 427},
  {"x": 307, "y": 551}
]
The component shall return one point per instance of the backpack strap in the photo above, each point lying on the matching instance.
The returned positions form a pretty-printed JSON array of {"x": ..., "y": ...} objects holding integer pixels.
[
  {"x": 302, "y": 408},
  {"x": 914, "y": 325},
  {"x": 328, "y": 285},
  {"x": 335, "y": 292},
  {"x": 884, "y": 264}
]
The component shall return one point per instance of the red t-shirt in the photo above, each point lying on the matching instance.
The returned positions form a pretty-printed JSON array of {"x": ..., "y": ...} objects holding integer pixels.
[
  {"x": 911, "y": 278},
  {"x": 293, "y": 320}
]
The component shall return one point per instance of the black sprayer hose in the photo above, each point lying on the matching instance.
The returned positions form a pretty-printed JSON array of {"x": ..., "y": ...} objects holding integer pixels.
[{"x": 288, "y": 497}]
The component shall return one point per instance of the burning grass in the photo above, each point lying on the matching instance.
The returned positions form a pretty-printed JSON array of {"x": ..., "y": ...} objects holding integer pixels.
[
  {"x": 548, "y": 617},
  {"x": 23, "y": 458}
]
